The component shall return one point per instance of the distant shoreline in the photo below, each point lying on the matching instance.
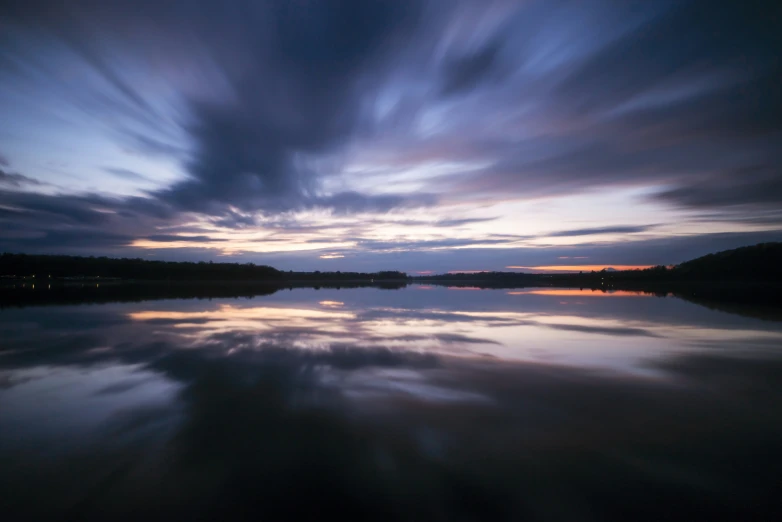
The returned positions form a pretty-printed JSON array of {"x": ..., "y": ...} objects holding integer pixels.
[
  {"x": 749, "y": 275},
  {"x": 26, "y": 293}
]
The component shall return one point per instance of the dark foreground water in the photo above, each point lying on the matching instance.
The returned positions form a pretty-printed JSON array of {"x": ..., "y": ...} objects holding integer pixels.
[{"x": 415, "y": 404}]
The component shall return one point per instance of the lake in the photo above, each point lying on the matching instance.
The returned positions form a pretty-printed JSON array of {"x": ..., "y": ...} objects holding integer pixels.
[{"x": 422, "y": 403}]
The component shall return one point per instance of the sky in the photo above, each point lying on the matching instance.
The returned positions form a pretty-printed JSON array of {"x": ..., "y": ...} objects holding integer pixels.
[{"x": 429, "y": 135}]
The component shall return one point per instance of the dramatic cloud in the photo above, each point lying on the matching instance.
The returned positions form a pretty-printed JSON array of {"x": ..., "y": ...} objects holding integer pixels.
[
  {"x": 752, "y": 186},
  {"x": 42, "y": 223},
  {"x": 459, "y": 121}
]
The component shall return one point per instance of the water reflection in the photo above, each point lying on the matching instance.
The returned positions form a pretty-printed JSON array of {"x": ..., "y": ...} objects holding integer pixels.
[{"x": 419, "y": 403}]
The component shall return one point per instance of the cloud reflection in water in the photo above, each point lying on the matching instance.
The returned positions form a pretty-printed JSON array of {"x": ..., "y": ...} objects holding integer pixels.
[{"x": 394, "y": 405}]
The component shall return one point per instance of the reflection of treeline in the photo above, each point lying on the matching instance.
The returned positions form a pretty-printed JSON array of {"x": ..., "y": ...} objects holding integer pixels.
[
  {"x": 58, "y": 267},
  {"x": 748, "y": 275},
  {"x": 58, "y": 293},
  {"x": 39, "y": 293},
  {"x": 317, "y": 275}
]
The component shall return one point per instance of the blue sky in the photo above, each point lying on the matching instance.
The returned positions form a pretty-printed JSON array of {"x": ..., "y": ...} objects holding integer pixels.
[{"x": 415, "y": 135}]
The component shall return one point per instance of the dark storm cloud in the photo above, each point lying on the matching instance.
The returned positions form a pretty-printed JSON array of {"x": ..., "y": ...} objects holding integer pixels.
[
  {"x": 377, "y": 245},
  {"x": 765, "y": 216},
  {"x": 294, "y": 71},
  {"x": 171, "y": 237},
  {"x": 355, "y": 202},
  {"x": 674, "y": 42},
  {"x": 601, "y": 230},
  {"x": 79, "y": 240},
  {"x": 685, "y": 94},
  {"x": 73, "y": 210},
  {"x": 88, "y": 209},
  {"x": 91, "y": 223},
  {"x": 294, "y": 89},
  {"x": 466, "y": 72},
  {"x": 751, "y": 186},
  {"x": 15, "y": 180}
]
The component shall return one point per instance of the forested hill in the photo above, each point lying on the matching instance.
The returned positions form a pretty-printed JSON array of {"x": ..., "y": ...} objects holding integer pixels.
[
  {"x": 757, "y": 262},
  {"x": 58, "y": 267}
]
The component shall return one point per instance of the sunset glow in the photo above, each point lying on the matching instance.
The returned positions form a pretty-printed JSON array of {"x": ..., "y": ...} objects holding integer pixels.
[
  {"x": 419, "y": 136},
  {"x": 574, "y": 292},
  {"x": 579, "y": 268}
]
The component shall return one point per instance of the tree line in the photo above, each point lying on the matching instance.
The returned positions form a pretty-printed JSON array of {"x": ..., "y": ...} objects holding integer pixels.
[
  {"x": 63, "y": 267},
  {"x": 753, "y": 263}
]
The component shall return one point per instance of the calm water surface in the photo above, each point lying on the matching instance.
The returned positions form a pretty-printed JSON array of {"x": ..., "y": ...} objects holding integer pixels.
[{"x": 426, "y": 403}]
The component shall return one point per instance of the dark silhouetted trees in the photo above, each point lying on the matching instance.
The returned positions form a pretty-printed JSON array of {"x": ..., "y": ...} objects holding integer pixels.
[{"x": 58, "y": 267}]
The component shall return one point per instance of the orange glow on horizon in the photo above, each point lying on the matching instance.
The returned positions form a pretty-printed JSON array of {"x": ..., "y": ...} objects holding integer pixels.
[
  {"x": 570, "y": 292},
  {"x": 580, "y": 268}
]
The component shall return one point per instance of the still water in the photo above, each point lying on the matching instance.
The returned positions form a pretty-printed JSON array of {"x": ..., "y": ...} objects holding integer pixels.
[{"x": 426, "y": 403}]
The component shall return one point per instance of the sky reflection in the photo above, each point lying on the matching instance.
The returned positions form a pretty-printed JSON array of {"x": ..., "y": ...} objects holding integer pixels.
[
  {"x": 390, "y": 404},
  {"x": 555, "y": 331}
]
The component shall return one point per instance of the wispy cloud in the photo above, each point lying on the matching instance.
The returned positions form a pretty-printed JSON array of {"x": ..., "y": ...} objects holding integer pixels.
[
  {"x": 16, "y": 180},
  {"x": 392, "y": 126},
  {"x": 602, "y": 230}
]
